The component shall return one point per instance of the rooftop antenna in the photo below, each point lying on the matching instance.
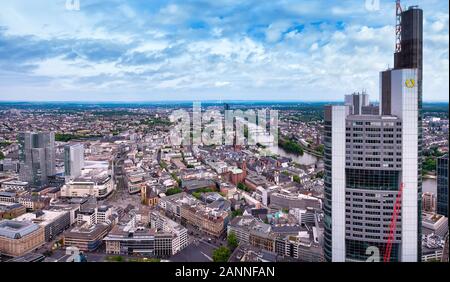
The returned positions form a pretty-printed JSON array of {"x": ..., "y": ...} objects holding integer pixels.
[{"x": 398, "y": 26}]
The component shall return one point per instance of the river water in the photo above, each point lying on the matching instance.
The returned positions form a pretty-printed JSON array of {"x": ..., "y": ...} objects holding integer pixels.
[
  {"x": 305, "y": 159},
  {"x": 429, "y": 185}
]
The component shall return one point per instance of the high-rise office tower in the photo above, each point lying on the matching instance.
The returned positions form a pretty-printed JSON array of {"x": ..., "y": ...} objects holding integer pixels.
[
  {"x": 373, "y": 163},
  {"x": 73, "y": 160},
  {"x": 442, "y": 186},
  {"x": 357, "y": 101},
  {"x": 428, "y": 202},
  {"x": 37, "y": 157}
]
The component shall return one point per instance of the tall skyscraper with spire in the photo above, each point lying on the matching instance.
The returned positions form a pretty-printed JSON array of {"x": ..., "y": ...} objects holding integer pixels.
[{"x": 373, "y": 162}]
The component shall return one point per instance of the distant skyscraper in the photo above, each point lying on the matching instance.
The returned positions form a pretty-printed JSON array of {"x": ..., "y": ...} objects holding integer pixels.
[
  {"x": 37, "y": 157},
  {"x": 357, "y": 101},
  {"x": 369, "y": 157},
  {"x": 73, "y": 160},
  {"x": 429, "y": 202},
  {"x": 442, "y": 185}
]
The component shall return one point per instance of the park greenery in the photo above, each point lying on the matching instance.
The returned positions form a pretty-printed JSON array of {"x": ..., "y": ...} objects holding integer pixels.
[
  {"x": 430, "y": 160},
  {"x": 198, "y": 193},
  {"x": 232, "y": 241},
  {"x": 319, "y": 175},
  {"x": 428, "y": 165},
  {"x": 5, "y": 143},
  {"x": 173, "y": 191},
  {"x": 163, "y": 164},
  {"x": 290, "y": 146},
  {"x": 221, "y": 254},
  {"x": 236, "y": 213},
  {"x": 176, "y": 178},
  {"x": 66, "y": 137},
  {"x": 242, "y": 186}
]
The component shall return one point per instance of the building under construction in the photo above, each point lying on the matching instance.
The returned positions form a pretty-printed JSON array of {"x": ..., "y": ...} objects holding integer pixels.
[{"x": 373, "y": 161}]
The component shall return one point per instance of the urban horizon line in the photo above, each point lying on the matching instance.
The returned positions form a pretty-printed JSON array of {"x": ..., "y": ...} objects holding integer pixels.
[{"x": 216, "y": 101}]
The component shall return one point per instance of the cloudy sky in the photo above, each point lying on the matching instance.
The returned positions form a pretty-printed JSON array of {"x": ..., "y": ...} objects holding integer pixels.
[{"x": 144, "y": 50}]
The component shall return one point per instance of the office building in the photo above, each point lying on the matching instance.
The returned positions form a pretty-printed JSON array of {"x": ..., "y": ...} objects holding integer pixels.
[
  {"x": 18, "y": 238},
  {"x": 86, "y": 237},
  {"x": 370, "y": 160},
  {"x": 143, "y": 241},
  {"x": 53, "y": 222},
  {"x": 357, "y": 101},
  {"x": 73, "y": 160},
  {"x": 211, "y": 219},
  {"x": 15, "y": 185},
  {"x": 96, "y": 180},
  {"x": 428, "y": 202},
  {"x": 37, "y": 157},
  {"x": 442, "y": 186},
  {"x": 10, "y": 210},
  {"x": 164, "y": 224},
  {"x": 293, "y": 241}
]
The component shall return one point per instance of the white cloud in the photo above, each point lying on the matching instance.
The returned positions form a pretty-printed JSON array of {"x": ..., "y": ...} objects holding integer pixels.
[{"x": 307, "y": 50}]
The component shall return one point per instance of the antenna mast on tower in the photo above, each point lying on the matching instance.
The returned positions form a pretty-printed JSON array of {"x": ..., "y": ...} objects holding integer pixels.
[{"x": 398, "y": 26}]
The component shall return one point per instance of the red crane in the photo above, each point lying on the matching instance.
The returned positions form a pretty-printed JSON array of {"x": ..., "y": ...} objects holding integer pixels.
[{"x": 393, "y": 224}]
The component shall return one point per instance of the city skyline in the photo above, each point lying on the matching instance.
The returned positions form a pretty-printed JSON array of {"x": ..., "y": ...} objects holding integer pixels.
[
  {"x": 129, "y": 51},
  {"x": 224, "y": 131}
]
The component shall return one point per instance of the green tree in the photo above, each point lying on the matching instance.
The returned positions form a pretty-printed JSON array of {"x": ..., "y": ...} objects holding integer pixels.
[
  {"x": 296, "y": 178},
  {"x": 236, "y": 213},
  {"x": 163, "y": 164},
  {"x": 115, "y": 259},
  {"x": 242, "y": 186},
  {"x": 429, "y": 165},
  {"x": 320, "y": 149},
  {"x": 175, "y": 177},
  {"x": 173, "y": 191},
  {"x": 2, "y": 156},
  {"x": 221, "y": 254},
  {"x": 320, "y": 174},
  {"x": 232, "y": 241},
  {"x": 290, "y": 146}
]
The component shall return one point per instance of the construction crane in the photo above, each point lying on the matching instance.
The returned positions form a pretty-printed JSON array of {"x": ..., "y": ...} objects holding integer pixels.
[
  {"x": 393, "y": 225},
  {"x": 398, "y": 26}
]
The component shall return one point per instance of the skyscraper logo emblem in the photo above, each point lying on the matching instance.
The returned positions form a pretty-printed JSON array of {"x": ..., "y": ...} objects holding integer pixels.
[{"x": 410, "y": 83}]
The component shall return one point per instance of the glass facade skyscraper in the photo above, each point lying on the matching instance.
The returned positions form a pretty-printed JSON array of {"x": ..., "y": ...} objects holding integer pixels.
[
  {"x": 442, "y": 185},
  {"x": 36, "y": 157},
  {"x": 73, "y": 160}
]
